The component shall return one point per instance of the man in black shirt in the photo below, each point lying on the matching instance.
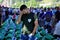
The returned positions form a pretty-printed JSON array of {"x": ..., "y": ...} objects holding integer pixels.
[
  {"x": 0, "y": 17},
  {"x": 28, "y": 20}
]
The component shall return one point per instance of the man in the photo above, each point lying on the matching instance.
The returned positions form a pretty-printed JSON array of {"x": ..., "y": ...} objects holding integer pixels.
[
  {"x": 57, "y": 26},
  {"x": 28, "y": 20},
  {"x": 0, "y": 17}
]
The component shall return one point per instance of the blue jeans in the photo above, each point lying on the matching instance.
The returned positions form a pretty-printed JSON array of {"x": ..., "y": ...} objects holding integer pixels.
[{"x": 26, "y": 37}]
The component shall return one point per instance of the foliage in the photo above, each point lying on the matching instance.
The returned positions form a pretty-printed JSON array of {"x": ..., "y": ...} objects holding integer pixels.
[
  {"x": 35, "y": 3},
  {"x": 1, "y": 1}
]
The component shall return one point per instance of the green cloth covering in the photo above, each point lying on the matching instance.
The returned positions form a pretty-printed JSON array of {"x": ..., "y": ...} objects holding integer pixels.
[
  {"x": 38, "y": 35},
  {"x": 1, "y": 36},
  {"x": 43, "y": 32},
  {"x": 49, "y": 37},
  {"x": 9, "y": 35}
]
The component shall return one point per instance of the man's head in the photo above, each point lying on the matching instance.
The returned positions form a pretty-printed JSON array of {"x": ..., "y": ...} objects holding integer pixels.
[
  {"x": 24, "y": 9},
  {"x": 57, "y": 16}
]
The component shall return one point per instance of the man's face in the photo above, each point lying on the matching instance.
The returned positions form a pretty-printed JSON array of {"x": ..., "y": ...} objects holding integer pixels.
[{"x": 26, "y": 11}]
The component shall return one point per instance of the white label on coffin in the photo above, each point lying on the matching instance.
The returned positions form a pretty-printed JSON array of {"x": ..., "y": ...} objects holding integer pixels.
[{"x": 29, "y": 20}]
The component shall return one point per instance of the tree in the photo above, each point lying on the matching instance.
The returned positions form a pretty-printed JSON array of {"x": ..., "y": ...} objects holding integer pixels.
[
  {"x": 1, "y": 1},
  {"x": 34, "y": 3}
]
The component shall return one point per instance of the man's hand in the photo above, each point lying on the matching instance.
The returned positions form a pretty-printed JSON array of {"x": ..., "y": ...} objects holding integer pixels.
[
  {"x": 30, "y": 35},
  {"x": 19, "y": 18},
  {"x": 36, "y": 25}
]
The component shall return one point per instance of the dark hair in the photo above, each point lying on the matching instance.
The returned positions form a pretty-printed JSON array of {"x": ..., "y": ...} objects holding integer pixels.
[
  {"x": 57, "y": 15},
  {"x": 23, "y": 7}
]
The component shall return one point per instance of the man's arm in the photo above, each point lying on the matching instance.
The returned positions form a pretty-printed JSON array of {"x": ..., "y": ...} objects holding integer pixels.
[
  {"x": 35, "y": 23},
  {"x": 19, "y": 18},
  {"x": 35, "y": 27}
]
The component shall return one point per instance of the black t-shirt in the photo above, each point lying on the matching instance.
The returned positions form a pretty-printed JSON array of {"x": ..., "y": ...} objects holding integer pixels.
[
  {"x": 28, "y": 21},
  {"x": 0, "y": 18}
]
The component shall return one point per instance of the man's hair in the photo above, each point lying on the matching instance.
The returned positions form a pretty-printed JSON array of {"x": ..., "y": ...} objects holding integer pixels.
[
  {"x": 23, "y": 7},
  {"x": 57, "y": 15}
]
